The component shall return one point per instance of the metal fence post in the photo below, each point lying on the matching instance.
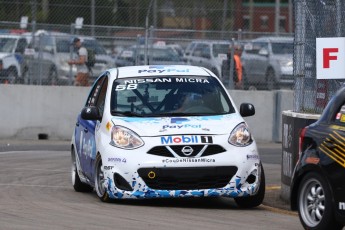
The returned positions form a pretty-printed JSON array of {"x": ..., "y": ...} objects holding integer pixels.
[
  {"x": 232, "y": 64},
  {"x": 299, "y": 54}
]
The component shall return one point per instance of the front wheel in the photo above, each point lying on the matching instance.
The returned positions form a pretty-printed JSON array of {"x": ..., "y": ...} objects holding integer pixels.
[
  {"x": 76, "y": 182},
  {"x": 255, "y": 200},
  {"x": 315, "y": 203},
  {"x": 100, "y": 180}
]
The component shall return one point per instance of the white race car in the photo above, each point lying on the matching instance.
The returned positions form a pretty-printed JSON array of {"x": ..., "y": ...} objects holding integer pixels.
[{"x": 165, "y": 132}]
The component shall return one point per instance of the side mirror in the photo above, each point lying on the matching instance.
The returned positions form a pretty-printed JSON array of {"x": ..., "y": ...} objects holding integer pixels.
[
  {"x": 247, "y": 109},
  {"x": 90, "y": 113}
]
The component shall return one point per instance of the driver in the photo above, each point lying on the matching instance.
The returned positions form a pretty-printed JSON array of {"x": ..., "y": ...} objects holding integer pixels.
[{"x": 189, "y": 99}]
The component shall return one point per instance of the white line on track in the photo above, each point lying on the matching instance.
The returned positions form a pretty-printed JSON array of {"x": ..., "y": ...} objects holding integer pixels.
[{"x": 35, "y": 185}]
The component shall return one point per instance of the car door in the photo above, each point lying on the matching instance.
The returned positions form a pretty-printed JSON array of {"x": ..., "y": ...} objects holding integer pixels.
[
  {"x": 332, "y": 135},
  {"x": 261, "y": 62},
  {"x": 201, "y": 55},
  {"x": 42, "y": 60},
  {"x": 86, "y": 129}
]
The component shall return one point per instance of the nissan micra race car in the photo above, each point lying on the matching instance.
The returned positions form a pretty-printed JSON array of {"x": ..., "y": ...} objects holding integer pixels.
[{"x": 165, "y": 132}]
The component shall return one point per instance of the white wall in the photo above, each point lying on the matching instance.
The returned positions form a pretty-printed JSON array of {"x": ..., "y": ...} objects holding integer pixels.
[{"x": 27, "y": 111}]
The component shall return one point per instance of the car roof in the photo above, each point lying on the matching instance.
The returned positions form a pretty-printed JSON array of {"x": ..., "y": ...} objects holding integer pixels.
[
  {"x": 212, "y": 41},
  {"x": 158, "y": 70},
  {"x": 274, "y": 39},
  {"x": 10, "y": 36}
]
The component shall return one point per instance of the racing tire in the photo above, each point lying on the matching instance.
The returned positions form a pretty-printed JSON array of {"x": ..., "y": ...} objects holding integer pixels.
[
  {"x": 76, "y": 182},
  {"x": 255, "y": 200},
  {"x": 101, "y": 190},
  {"x": 315, "y": 208}
]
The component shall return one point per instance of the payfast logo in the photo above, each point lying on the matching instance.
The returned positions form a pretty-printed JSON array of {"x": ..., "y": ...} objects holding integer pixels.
[{"x": 186, "y": 139}]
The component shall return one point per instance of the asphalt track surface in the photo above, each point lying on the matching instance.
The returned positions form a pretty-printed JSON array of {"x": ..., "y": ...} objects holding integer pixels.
[{"x": 36, "y": 193}]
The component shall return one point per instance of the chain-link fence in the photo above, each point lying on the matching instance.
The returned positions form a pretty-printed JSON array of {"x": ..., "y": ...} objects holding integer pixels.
[
  {"x": 119, "y": 24},
  {"x": 313, "y": 19}
]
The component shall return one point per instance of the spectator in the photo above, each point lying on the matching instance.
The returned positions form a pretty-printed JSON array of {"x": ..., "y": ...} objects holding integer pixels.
[
  {"x": 237, "y": 71},
  {"x": 82, "y": 78},
  {"x": 238, "y": 67}
]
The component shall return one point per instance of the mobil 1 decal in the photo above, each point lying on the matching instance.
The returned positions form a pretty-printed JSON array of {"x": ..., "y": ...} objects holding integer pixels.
[{"x": 186, "y": 139}]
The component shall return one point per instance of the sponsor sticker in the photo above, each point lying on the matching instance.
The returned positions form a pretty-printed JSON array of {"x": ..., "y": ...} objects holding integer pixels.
[
  {"x": 180, "y": 126},
  {"x": 253, "y": 157},
  {"x": 188, "y": 160},
  {"x": 117, "y": 160},
  {"x": 338, "y": 116},
  {"x": 186, "y": 139},
  {"x": 342, "y": 118}
]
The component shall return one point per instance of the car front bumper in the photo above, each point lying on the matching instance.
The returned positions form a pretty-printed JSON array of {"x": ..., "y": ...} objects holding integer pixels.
[{"x": 227, "y": 174}]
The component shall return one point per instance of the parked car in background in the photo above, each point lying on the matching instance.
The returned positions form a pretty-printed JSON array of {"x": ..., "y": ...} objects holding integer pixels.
[
  {"x": 207, "y": 53},
  {"x": 46, "y": 58},
  {"x": 171, "y": 131},
  {"x": 12, "y": 49},
  {"x": 156, "y": 55},
  {"x": 268, "y": 63},
  {"x": 317, "y": 186},
  {"x": 48, "y": 55}
]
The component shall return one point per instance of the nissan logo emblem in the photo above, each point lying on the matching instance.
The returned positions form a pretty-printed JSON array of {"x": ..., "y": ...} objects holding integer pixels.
[{"x": 187, "y": 150}]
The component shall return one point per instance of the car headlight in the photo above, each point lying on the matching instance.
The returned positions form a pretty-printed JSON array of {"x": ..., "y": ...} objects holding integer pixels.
[
  {"x": 286, "y": 63},
  {"x": 122, "y": 137},
  {"x": 240, "y": 136}
]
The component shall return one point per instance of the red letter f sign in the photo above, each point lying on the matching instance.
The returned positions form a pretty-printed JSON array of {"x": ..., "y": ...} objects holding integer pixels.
[
  {"x": 327, "y": 57},
  {"x": 330, "y": 58}
]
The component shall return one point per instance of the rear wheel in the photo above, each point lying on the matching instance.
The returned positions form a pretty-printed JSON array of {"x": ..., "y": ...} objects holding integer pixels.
[
  {"x": 53, "y": 75},
  {"x": 100, "y": 180},
  {"x": 76, "y": 182},
  {"x": 315, "y": 208},
  {"x": 26, "y": 78},
  {"x": 12, "y": 76},
  {"x": 257, "y": 199}
]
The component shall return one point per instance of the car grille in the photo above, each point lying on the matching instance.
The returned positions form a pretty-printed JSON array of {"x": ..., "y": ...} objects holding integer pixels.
[
  {"x": 167, "y": 151},
  {"x": 187, "y": 178}
]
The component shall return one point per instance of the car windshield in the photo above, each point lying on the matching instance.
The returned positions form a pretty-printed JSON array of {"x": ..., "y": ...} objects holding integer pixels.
[
  {"x": 154, "y": 54},
  {"x": 93, "y": 44},
  {"x": 282, "y": 48},
  {"x": 169, "y": 96},
  {"x": 7, "y": 45},
  {"x": 157, "y": 54},
  {"x": 63, "y": 45},
  {"x": 220, "y": 49}
]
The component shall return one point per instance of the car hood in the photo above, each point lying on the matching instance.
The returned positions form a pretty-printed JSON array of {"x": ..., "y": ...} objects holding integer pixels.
[
  {"x": 152, "y": 126},
  {"x": 2, "y": 55}
]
